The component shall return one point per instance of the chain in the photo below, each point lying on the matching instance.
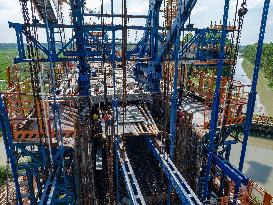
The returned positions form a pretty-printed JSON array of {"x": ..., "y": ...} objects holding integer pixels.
[
  {"x": 124, "y": 62},
  {"x": 33, "y": 68},
  {"x": 241, "y": 13},
  {"x": 164, "y": 96}
]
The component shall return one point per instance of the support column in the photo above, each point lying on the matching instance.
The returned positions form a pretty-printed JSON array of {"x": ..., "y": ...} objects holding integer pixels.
[{"x": 216, "y": 102}]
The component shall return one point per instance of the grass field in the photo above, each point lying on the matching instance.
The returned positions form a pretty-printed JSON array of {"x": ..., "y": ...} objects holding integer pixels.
[
  {"x": 7, "y": 56},
  {"x": 6, "y": 59},
  {"x": 265, "y": 93}
]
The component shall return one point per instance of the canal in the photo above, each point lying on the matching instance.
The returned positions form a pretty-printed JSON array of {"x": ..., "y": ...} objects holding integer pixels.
[{"x": 259, "y": 154}]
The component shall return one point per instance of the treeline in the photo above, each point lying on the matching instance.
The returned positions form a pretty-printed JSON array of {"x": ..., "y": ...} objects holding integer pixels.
[
  {"x": 249, "y": 53},
  {"x": 8, "y": 45}
]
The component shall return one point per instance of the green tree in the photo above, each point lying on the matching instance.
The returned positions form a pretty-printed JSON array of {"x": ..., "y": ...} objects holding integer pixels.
[{"x": 249, "y": 53}]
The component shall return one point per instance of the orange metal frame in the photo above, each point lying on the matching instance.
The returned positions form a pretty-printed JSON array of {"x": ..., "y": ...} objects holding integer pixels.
[{"x": 20, "y": 104}]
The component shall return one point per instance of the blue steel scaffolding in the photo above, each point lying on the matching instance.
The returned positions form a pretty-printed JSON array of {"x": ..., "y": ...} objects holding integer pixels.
[{"x": 61, "y": 185}]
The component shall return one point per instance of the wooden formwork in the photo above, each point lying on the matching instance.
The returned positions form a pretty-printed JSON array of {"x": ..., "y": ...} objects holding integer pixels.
[
  {"x": 220, "y": 27},
  {"x": 213, "y": 62},
  {"x": 138, "y": 121}
]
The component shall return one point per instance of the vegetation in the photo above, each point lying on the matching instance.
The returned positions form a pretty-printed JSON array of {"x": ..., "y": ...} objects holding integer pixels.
[
  {"x": 264, "y": 87},
  {"x": 4, "y": 172},
  {"x": 257, "y": 200},
  {"x": 264, "y": 91},
  {"x": 187, "y": 38},
  {"x": 6, "y": 59},
  {"x": 8, "y": 52},
  {"x": 249, "y": 53}
]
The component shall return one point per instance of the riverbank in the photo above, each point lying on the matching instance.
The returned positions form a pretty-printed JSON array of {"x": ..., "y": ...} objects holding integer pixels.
[
  {"x": 265, "y": 93},
  {"x": 258, "y": 164}
]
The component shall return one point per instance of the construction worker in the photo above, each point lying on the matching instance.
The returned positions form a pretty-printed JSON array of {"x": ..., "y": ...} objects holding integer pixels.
[
  {"x": 180, "y": 114},
  {"x": 107, "y": 119},
  {"x": 95, "y": 117}
]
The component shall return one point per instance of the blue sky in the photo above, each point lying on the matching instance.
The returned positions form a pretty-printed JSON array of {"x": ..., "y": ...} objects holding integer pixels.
[{"x": 204, "y": 12}]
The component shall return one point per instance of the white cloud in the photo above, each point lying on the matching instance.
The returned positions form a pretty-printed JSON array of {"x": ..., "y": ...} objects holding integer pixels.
[
  {"x": 203, "y": 13},
  {"x": 11, "y": 11},
  {"x": 251, "y": 4},
  {"x": 255, "y": 4},
  {"x": 270, "y": 22},
  {"x": 199, "y": 10}
]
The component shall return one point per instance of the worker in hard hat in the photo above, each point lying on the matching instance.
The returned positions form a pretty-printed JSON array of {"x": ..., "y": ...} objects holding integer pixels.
[{"x": 95, "y": 117}]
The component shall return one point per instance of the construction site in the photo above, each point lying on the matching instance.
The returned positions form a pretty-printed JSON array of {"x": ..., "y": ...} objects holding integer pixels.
[{"x": 92, "y": 117}]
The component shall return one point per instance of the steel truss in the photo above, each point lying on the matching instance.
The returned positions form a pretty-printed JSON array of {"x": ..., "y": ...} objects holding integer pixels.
[{"x": 149, "y": 53}]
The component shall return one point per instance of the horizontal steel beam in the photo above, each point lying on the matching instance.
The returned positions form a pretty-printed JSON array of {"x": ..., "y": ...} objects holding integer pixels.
[
  {"x": 132, "y": 186},
  {"x": 230, "y": 171},
  {"x": 95, "y": 27},
  {"x": 183, "y": 190},
  {"x": 183, "y": 14},
  {"x": 115, "y": 15}
]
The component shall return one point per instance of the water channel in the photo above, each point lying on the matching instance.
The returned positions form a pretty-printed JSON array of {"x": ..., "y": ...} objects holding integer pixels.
[{"x": 259, "y": 154}]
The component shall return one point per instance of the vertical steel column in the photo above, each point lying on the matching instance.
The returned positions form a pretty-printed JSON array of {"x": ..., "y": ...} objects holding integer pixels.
[
  {"x": 114, "y": 101},
  {"x": 117, "y": 171},
  {"x": 124, "y": 62},
  {"x": 51, "y": 48},
  {"x": 83, "y": 127},
  {"x": 173, "y": 113},
  {"x": 154, "y": 45},
  {"x": 216, "y": 100},
  {"x": 154, "y": 33},
  {"x": 84, "y": 70},
  {"x": 10, "y": 149},
  {"x": 253, "y": 92},
  {"x": 56, "y": 107},
  {"x": 20, "y": 43}
]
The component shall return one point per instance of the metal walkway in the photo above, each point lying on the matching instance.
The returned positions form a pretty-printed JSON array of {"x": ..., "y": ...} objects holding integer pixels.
[
  {"x": 129, "y": 178},
  {"x": 183, "y": 190}
]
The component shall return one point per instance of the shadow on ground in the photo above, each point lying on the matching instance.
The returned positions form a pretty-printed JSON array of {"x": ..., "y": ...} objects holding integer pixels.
[{"x": 258, "y": 172}]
